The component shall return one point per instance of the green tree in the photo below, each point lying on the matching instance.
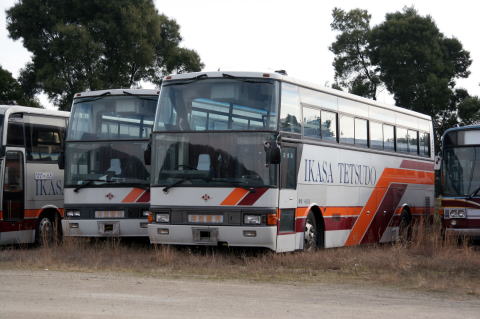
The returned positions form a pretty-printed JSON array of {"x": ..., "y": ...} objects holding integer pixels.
[
  {"x": 82, "y": 45},
  {"x": 419, "y": 65},
  {"x": 469, "y": 110},
  {"x": 353, "y": 68},
  {"x": 12, "y": 91}
]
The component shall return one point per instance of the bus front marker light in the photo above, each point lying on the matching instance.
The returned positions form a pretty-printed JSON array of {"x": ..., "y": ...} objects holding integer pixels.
[
  {"x": 73, "y": 225},
  {"x": 453, "y": 223},
  {"x": 163, "y": 231},
  {"x": 162, "y": 218},
  {"x": 272, "y": 219},
  {"x": 145, "y": 213},
  {"x": 252, "y": 219},
  {"x": 250, "y": 233}
]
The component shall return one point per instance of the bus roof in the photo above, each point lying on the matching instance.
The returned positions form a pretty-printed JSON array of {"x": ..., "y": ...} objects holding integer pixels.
[
  {"x": 462, "y": 128},
  {"x": 31, "y": 110},
  {"x": 280, "y": 77},
  {"x": 117, "y": 92}
]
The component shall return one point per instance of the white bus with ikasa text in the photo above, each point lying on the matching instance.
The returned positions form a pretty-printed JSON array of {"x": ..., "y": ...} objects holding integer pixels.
[
  {"x": 264, "y": 160},
  {"x": 31, "y": 182},
  {"x": 107, "y": 184}
]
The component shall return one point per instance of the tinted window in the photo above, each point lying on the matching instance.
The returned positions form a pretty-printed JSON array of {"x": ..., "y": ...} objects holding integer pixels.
[
  {"x": 402, "y": 140},
  {"x": 15, "y": 135},
  {"x": 290, "y": 119},
  {"x": 311, "y": 122},
  {"x": 376, "y": 135},
  {"x": 289, "y": 167},
  {"x": 424, "y": 144},
  {"x": 388, "y": 138},
  {"x": 347, "y": 129},
  {"x": 44, "y": 143},
  {"x": 361, "y": 132},
  {"x": 329, "y": 125},
  {"x": 412, "y": 142}
]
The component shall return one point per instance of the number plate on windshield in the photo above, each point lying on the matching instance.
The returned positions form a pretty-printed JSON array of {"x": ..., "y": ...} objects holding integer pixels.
[{"x": 205, "y": 219}]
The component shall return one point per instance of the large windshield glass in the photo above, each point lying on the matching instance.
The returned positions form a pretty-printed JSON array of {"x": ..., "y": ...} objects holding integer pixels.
[
  {"x": 461, "y": 171},
  {"x": 218, "y": 104},
  {"x": 112, "y": 117},
  {"x": 207, "y": 159},
  {"x": 115, "y": 163}
]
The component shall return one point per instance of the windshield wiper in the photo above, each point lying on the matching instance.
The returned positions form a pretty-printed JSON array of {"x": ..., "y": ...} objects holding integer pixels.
[
  {"x": 188, "y": 81},
  {"x": 101, "y": 96},
  {"x": 88, "y": 182},
  {"x": 470, "y": 196},
  {"x": 180, "y": 181},
  {"x": 139, "y": 96},
  {"x": 233, "y": 77}
]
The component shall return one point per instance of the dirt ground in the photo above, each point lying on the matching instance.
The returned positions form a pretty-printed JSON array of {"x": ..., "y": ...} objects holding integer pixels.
[{"x": 52, "y": 294}]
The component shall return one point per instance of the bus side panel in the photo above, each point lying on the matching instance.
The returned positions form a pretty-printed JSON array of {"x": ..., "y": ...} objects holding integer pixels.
[{"x": 44, "y": 187}]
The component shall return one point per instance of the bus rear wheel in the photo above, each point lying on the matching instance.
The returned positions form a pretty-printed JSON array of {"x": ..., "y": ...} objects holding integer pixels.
[
  {"x": 45, "y": 232},
  {"x": 405, "y": 227},
  {"x": 310, "y": 233}
]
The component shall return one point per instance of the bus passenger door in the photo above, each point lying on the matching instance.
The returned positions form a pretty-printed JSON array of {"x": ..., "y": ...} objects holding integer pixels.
[
  {"x": 13, "y": 204},
  {"x": 287, "y": 200}
]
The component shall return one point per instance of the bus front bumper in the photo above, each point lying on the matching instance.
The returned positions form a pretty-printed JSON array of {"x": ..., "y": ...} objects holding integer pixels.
[
  {"x": 468, "y": 232},
  {"x": 264, "y": 236},
  {"x": 105, "y": 228}
]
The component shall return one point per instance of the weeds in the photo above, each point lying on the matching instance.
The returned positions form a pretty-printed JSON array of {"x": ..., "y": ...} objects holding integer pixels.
[{"x": 426, "y": 262}]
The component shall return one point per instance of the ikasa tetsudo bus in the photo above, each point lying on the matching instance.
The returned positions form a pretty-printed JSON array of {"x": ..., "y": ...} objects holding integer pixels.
[
  {"x": 106, "y": 180},
  {"x": 459, "y": 189},
  {"x": 31, "y": 182},
  {"x": 261, "y": 159}
]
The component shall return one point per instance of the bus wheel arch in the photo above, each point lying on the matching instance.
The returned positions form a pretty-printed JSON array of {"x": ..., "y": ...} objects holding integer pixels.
[
  {"x": 48, "y": 227},
  {"x": 314, "y": 233}
]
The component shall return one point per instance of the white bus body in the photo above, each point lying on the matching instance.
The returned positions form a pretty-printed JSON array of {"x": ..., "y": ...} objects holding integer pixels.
[
  {"x": 351, "y": 171},
  {"x": 106, "y": 180},
  {"x": 31, "y": 182}
]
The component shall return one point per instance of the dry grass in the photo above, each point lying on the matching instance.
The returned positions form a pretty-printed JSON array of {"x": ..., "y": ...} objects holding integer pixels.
[{"x": 426, "y": 263}]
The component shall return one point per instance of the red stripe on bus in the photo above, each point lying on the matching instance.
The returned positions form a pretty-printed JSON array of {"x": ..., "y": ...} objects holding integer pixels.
[
  {"x": 145, "y": 197},
  {"x": 422, "y": 166},
  {"x": 25, "y": 224},
  {"x": 252, "y": 197}
]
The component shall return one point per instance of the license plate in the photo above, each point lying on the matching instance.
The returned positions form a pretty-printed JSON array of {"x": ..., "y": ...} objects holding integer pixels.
[
  {"x": 205, "y": 219},
  {"x": 109, "y": 214}
]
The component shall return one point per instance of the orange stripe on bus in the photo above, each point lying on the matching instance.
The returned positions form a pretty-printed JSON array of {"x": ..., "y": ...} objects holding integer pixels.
[
  {"x": 332, "y": 211},
  {"x": 234, "y": 197},
  {"x": 389, "y": 175},
  {"x": 133, "y": 195}
]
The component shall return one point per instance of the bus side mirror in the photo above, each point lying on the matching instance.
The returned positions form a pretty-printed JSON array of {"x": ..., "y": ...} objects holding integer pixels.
[
  {"x": 272, "y": 153},
  {"x": 61, "y": 160},
  {"x": 147, "y": 155},
  {"x": 438, "y": 163}
]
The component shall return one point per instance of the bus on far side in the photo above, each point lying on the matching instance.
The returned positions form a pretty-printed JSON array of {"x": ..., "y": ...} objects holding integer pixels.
[
  {"x": 265, "y": 160},
  {"x": 459, "y": 191},
  {"x": 107, "y": 184},
  {"x": 31, "y": 182}
]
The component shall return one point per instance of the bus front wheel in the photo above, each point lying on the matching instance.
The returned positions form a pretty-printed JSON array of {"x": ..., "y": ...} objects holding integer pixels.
[
  {"x": 44, "y": 231},
  {"x": 310, "y": 233}
]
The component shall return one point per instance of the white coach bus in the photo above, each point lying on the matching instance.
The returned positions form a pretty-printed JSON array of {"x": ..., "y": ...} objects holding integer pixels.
[
  {"x": 261, "y": 159},
  {"x": 31, "y": 182},
  {"x": 106, "y": 180}
]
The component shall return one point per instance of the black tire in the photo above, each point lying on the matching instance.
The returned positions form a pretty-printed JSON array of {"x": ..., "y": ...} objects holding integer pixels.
[
  {"x": 405, "y": 227},
  {"x": 310, "y": 241},
  {"x": 45, "y": 231}
]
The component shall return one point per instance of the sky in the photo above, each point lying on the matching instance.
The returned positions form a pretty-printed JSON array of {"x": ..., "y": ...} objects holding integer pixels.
[{"x": 268, "y": 35}]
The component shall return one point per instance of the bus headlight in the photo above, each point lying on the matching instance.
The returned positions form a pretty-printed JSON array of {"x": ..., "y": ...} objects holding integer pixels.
[
  {"x": 162, "y": 218},
  {"x": 73, "y": 213},
  {"x": 252, "y": 219},
  {"x": 455, "y": 213}
]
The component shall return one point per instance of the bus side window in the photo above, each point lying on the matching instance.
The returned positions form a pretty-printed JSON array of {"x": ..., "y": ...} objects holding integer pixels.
[
  {"x": 288, "y": 168},
  {"x": 44, "y": 142},
  {"x": 15, "y": 135},
  {"x": 290, "y": 113}
]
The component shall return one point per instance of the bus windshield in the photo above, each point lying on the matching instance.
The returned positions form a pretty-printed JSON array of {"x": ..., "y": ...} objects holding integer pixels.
[
  {"x": 112, "y": 117},
  {"x": 106, "y": 162},
  {"x": 206, "y": 159},
  {"x": 461, "y": 171},
  {"x": 218, "y": 104}
]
